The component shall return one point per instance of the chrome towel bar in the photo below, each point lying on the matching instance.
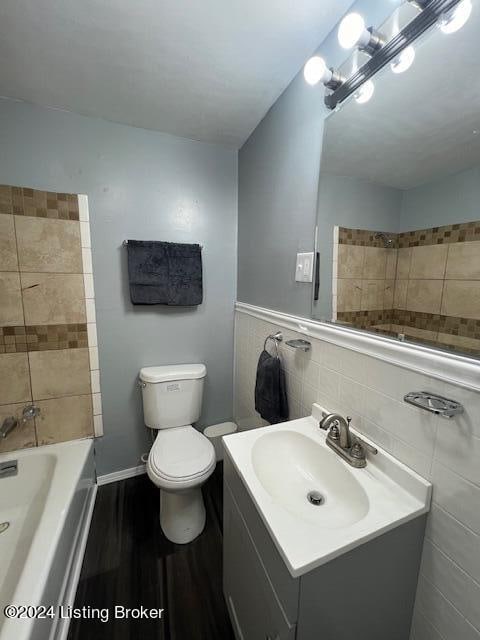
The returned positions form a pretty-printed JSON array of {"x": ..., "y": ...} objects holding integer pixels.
[{"x": 125, "y": 244}]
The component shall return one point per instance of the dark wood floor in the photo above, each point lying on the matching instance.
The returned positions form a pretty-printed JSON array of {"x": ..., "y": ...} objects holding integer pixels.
[{"x": 129, "y": 562}]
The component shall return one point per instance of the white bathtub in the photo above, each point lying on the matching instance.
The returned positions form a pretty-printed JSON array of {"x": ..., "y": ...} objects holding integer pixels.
[{"x": 49, "y": 506}]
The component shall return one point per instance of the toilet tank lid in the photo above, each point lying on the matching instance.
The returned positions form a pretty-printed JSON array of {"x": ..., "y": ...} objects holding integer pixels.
[{"x": 169, "y": 372}]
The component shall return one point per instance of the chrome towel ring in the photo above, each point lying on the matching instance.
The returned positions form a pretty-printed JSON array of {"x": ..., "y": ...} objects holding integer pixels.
[{"x": 276, "y": 337}]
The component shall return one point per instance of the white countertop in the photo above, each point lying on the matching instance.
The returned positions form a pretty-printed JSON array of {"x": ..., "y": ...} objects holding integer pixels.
[{"x": 360, "y": 504}]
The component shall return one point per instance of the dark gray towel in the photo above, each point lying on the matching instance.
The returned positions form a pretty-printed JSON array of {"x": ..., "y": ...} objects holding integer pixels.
[
  {"x": 165, "y": 273},
  {"x": 270, "y": 389}
]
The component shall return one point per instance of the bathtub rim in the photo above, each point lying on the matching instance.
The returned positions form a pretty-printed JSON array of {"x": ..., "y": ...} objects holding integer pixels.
[{"x": 71, "y": 458}]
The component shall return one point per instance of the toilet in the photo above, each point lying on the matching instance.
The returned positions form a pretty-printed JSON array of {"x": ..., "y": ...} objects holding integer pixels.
[{"x": 181, "y": 458}]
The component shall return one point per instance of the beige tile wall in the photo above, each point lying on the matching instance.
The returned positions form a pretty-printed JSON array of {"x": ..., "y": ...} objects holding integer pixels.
[
  {"x": 447, "y": 452},
  {"x": 365, "y": 278},
  {"x": 441, "y": 279},
  {"x": 48, "y": 340},
  {"x": 424, "y": 278}
]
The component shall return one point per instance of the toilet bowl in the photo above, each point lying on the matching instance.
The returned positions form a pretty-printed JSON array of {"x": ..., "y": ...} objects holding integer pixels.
[
  {"x": 181, "y": 458},
  {"x": 180, "y": 461}
]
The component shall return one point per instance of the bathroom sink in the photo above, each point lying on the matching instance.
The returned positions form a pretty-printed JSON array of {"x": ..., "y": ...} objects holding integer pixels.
[
  {"x": 314, "y": 505},
  {"x": 298, "y": 472}
]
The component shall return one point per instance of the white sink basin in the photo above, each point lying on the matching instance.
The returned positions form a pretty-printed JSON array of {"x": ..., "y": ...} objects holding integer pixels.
[
  {"x": 281, "y": 464},
  {"x": 290, "y": 465}
]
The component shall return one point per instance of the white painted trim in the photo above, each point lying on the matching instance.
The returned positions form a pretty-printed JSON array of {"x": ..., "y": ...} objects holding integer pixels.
[
  {"x": 450, "y": 367},
  {"x": 123, "y": 474},
  {"x": 97, "y": 422},
  {"x": 85, "y": 237},
  {"x": 83, "y": 207},
  {"x": 61, "y": 630}
]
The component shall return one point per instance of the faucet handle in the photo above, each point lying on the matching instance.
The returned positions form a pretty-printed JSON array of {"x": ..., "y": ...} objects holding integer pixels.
[
  {"x": 29, "y": 412},
  {"x": 370, "y": 448},
  {"x": 357, "y": 451}
]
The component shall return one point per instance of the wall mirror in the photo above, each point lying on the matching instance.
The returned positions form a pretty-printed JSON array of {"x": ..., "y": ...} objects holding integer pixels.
[{"x": 399, "y": 200}]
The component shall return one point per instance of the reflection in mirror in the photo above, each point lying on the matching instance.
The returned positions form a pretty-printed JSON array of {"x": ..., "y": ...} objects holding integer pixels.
[{"x": 399, "y": 200}]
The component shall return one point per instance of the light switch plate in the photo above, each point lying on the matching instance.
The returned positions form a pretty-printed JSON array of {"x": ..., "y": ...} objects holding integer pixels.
[{"x": 304, "y": 268}]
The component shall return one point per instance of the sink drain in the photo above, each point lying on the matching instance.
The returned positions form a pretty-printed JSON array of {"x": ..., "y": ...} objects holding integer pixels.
[
  {"x": 315, "y": 498},
  {"x": 4, "y": 526}
]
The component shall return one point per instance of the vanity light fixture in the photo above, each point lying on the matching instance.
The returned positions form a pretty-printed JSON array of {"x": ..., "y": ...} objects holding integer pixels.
[
  {"x": 405, "y": 58},
  {"x": 352, "y": 32},
  {"x": 398, "y": 52},
  {"x": 403, "y": 61},
  {"x": 420, "y": 4},
  {"x": 316, "y": 70},
  {"x": 453, "y": 20},
  {"x": 365, "y": 92}
]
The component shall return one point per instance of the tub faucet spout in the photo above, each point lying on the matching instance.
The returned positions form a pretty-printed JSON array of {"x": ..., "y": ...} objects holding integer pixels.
[{"x": 8, "y": 425}]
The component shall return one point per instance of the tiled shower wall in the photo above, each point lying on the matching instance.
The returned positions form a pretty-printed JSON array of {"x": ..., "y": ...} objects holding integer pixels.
[
  {"x": 444, "y": 451},
  {"x": 435, "y": 296},
  {"x": 364, "y": 278},
  {"x": 48, "y": 341}
]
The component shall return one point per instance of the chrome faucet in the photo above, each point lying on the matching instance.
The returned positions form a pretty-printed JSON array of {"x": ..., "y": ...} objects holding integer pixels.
[
  {"x": 340, "y": 427},
  {"x": 350, "y": 447},
  {"x": 11, "y": 422},
  {"x": 8, "y": 425}
]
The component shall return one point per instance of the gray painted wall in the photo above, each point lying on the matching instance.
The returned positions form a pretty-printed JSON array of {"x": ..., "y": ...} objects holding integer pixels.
[
  {"x": 355, "y": 203},
  {"x": 145, "y": 185},
  {"x": 445, "y": 201},
  {"x": 278, "y": 181},
  {"x": 277, "y": 174}
]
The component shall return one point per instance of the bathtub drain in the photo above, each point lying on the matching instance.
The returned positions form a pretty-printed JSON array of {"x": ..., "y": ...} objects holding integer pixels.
[{"x": 4, "y": 526}]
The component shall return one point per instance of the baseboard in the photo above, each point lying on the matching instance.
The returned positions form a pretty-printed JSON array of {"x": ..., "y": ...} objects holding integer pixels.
[{"x": 123, "y": 474}]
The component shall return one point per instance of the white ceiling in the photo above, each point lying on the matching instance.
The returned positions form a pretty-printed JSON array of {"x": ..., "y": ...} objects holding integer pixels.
[
  {"x": 207, "y": 70},
  {"x": 419, "y": 126}
]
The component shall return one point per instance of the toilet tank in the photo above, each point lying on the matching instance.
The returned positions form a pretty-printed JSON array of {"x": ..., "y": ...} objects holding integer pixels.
[{"x": 172, "y": 394}]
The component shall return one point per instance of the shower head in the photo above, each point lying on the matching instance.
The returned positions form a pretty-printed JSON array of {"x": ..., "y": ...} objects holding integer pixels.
[{"x": 388, "y": 242}]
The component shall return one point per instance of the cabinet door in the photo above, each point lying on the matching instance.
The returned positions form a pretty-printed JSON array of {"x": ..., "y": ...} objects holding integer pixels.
[{"x": 254, "y": 608}]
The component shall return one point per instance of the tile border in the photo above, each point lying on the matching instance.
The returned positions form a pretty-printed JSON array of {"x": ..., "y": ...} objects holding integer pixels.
[
  {"x": 42, "y": 337},
  {"x": 446, "y": 234},
  {"x": 38, "y": 203},
  {"x": 362, "y": 237},
  {"x": 449, "y": 367}
]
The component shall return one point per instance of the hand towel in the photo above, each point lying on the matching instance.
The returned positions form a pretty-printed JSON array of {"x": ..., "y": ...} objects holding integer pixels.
[
  {"x": 165, "y": 273},
  {"x": 270, "y": 389}
]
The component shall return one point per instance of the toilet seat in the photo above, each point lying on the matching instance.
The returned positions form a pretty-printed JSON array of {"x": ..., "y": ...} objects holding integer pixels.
[{"x": 180, "y": 457}]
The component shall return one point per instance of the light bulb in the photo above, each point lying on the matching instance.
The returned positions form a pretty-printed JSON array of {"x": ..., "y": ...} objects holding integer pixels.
[
  {"x": 352, "y": 32},
  {"x": 315, "y": 70},
  {"x": 365, "y": 92},
  {"x": 456, "y": 18},
  {"x": 403, "y": 61}
]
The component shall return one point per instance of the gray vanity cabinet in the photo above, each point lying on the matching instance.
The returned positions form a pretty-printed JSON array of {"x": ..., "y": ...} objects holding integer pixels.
[
  {"x": 254, "y": 609},
  {"x": 365, "y": 594}
]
